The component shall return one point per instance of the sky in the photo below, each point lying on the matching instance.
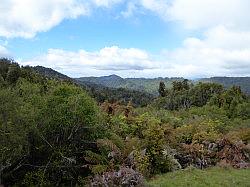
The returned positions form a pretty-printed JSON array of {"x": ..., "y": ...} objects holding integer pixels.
[{"x": 129, "y": 38}]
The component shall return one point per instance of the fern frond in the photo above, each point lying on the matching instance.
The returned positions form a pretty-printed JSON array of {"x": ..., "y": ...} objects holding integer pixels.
[
  {"x": 93, "y": 158},
  {"x": 107, "y": 144}
]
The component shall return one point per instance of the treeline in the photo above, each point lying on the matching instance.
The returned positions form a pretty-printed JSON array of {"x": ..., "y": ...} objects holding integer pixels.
[
  {"x": 54, "y": 134},
  {"x": 100, "y": 92},
  {"x": 139, "y": 84},
  {"x": 184, "y": 95},
  {"x": 227, "y": 82}
]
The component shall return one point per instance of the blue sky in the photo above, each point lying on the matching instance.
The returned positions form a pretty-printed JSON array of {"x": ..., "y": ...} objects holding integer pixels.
[{"x": 139, "y": 38}]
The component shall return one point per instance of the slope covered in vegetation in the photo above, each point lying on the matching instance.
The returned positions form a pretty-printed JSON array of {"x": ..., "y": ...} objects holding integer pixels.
[
  {"x": 53, "y": 133},
  {"x": 141, "y": 84},
  {"x": 227, "y": 82},
  {"x": 101, "y": 92},
  {"x": 151, "y": 85}
]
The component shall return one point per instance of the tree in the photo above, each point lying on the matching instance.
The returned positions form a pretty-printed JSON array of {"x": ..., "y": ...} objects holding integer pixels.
[
  {"x": 185, "y": 85},
  {"x": 13, "y": 73},
  {"x": 162, "y": 89},
  {"x": 1, "y": 81},
  {"x": 4, "y": 65}
]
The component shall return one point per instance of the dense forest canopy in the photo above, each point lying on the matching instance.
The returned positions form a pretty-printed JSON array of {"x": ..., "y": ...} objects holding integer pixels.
[
  {"x": 227, "y": 82},
  {"x": 58, "y": 132},
  {"x": 151, "y": 85},
  {"x": 100, "y": 92},
  {"x": 141, "y": 84}
]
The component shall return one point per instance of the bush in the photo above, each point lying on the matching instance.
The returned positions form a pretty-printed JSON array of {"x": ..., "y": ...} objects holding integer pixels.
[{"x": 125, "y": 177}]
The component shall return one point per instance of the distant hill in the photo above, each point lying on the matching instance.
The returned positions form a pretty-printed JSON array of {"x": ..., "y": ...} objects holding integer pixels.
[
  {"x": 48, "y": 72},
  {"x": 113, "y": 87},
  {"x": 151, "y": 85},
  {"x": 139, "y": 84},
  {"x": 227, "y": 82},
  {"x": 101, "y": 92}
]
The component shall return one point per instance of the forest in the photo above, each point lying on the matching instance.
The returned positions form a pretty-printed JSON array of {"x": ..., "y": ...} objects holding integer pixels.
[
  {"x": 150, "y": 85},
  {"x": 59, "y": 131}
]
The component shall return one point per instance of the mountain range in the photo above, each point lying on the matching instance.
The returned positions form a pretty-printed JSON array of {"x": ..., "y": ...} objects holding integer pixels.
[
  {"x": 150, "y": 85},
  {"x": 139, "y": 86}
]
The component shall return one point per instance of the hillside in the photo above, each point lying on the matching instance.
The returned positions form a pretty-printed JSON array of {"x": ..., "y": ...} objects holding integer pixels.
[
  {"x": 48, "y": 72},
  {"x": 227, "y": 82},
  {"x": 141, "y": 84},
  {"x": 53, "y": 133},
  {"x": 100, "y": 91},
  {"x": 151, "y": 85}
]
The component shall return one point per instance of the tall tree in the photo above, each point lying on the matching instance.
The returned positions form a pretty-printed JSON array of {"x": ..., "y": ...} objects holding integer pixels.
[
  {"x": 162, "y": 89},
  {"x": 13, "y": 73}
]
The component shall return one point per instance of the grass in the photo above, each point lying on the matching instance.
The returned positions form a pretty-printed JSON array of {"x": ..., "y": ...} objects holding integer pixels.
[{"x": 214, "y": 177}]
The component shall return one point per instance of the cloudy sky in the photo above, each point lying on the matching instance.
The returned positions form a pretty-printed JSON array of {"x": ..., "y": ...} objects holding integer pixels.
[{"x": 130, "y": 38}]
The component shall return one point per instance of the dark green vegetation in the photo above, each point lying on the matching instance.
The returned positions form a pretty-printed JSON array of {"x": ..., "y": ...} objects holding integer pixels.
[
  {"x": 151, "y": 85},
  {"x": 53, "y": 133},
  {"x": 215, "y": 177},
  {"x": 227, "y": 82},
  {"x": 102, "y": 93},
  {"x": 141, "y": 84}
]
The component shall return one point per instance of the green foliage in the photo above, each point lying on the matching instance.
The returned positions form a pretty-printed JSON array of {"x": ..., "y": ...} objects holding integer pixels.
[
  {"x": 2, "y": 82},
  {"x": 54, "y": 134},
  {"x": 228, "y": 82},
  {"x": 162, "y": 89},
  {"x": 139, "y": 84},
  {"x": 13, "y": 73},
  {"x": 243, "y": 111},
  {"x": 36, "y": 178},
  {"x": 44, "y": 124},
  {"x": 4, "y": 66}
]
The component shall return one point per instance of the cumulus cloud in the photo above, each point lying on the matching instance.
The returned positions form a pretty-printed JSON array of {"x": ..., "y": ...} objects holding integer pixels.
[
  {"x": 221, "y": 52},
  {"x": 195, "y": 58},
  {"x": 196, "y": 14},
  {"x": 108, "y": 59},
  {"x": 27, "y": 17},
  {"x": 223, "y": 47}
]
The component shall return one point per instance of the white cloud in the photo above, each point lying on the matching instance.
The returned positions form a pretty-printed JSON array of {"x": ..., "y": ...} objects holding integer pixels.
[
  {"x": 161, "y": 7},
  {"x": 222, "y": 49},
  {"x": 108, "y": 59},
  {"x": 196, "y": 14},
  {"x": 27, "y": 17},
  {"x": 4, "y": 52},
  {"x": 106, "y": 3},
  {"x": 196, "y": 58},
  {"x": 221, "y": 52},
  {"x": 131, "y": 8}
]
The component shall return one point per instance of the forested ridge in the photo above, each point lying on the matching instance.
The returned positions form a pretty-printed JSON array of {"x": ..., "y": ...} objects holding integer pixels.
[
  {"x": 57, "y": 131},
  {"x": 100, "y": 92},
  {"x": 150, "y": 85},
  {"x": 227, "y": 82}
]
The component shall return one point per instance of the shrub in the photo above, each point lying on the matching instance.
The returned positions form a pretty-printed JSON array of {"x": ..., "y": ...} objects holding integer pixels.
[{"x": 125, "y": 177}]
